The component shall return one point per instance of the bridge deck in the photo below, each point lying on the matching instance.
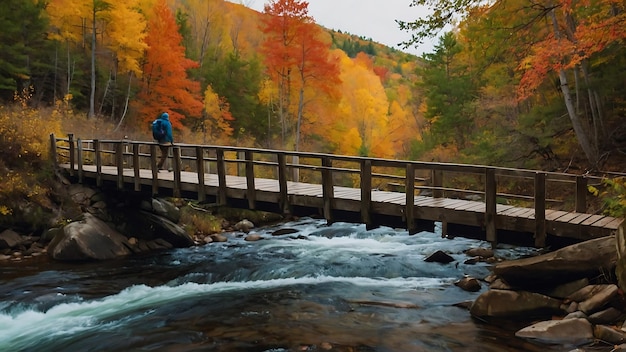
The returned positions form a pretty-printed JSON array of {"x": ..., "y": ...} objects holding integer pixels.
[{"x": 574, "y": 225}]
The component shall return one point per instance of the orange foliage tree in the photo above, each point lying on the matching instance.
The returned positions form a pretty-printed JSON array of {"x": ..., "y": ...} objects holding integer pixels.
[
  {"x": 297, "y": 58},
  {"x": 165, "y": 85}
]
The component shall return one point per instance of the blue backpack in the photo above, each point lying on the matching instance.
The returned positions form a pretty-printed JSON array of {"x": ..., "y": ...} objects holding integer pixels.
[{"x": 158, "y": 130}]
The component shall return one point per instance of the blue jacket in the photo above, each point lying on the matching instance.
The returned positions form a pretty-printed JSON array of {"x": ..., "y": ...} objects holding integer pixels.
[{"x": 165, "y": 121}]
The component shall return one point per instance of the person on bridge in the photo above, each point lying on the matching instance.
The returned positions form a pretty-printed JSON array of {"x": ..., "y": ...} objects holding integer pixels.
[{"x": 166, "y": 140}]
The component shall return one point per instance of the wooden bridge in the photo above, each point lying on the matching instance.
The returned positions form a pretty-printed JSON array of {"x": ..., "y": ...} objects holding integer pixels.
[{"x": 491, "y": 203}]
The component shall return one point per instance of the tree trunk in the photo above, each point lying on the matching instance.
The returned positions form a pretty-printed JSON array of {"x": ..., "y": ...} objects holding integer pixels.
[
  {"x": 584, "y": 140},
  {"x": 92, "y": 95}
]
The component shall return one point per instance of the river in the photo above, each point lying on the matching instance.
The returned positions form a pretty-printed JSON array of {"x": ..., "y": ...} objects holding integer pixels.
[{"x": 324, "y": 288}]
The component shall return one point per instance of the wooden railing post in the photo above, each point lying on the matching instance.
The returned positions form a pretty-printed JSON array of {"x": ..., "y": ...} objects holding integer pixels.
[
  {"x": 155, "y": 169},
  {"x": 221, "y": 176},
  {"x": 328, "y": 189},
  {"x": 200, "y": 170},
  {"x": 177, "y": 165},
  {"x": 581, "y": 194},
  {"x": 282, "y": 183},
  {"x": 119, "y": 162},
  {"x": 437, "y": 183},
  {"x": 98, "y": 157},
  {"x": 53, "y": 152},
  {"x": 366, "y": 192},
  {"x": 70, "y": 138},
  {"x": 250, "y": 184},
  {"x": 79, "y": 159},
  {"x": 136, "y": 167},
  {"x": 540, "y": 210},
  {"x": 409, "y": 211},
  {"x": 490, "y": 206}
]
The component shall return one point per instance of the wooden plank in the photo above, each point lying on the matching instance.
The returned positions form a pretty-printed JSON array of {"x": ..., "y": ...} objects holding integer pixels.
[
  {"x": 590, "y": 220},
  {"x": 614, "y": 225},
  {"x": 567, "y": 217},
  {"x": 553, "y": 216}
]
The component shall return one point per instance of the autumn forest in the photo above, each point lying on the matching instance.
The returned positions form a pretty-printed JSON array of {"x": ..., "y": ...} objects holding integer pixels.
[{"x": 509, "y": 83}]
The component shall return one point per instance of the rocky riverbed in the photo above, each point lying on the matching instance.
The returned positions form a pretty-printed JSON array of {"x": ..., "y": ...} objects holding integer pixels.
[{"x": 572, "y": 295}]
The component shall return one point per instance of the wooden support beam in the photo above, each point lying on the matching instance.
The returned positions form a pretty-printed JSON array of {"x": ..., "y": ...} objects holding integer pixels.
[
  {"x": 119, "y": 162},
  {"x": 490, "y": 206},
  {"x": 155, "y": 169},
  {"x": 136, "y": 167},
  {"x": 177, "y": 165},
  {"x": 200, "y": 170},
  {"x": 366, "y": 192},
  {"x": 282, "y": 184},
  {"x": 540, "y": 210},
  {"x": 409, "y": 211},
  {"x": 250, "y": 184},
  {"x": 221, "y": 177},
  {"x": 98, "y": 157},
  {"x": 328, "y": 189}
]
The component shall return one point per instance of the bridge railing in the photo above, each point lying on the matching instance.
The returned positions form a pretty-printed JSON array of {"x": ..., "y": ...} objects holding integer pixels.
[{"x": 533, "y": 189}]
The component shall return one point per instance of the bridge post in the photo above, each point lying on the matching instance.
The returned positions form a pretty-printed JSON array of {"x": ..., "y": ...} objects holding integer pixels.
[
  {"x": 155, "y": 170},
  {"x": 366, "y": 192},
  {"x": 176, "y": 166},
  {"x": 53, "y": 152},
  {"x": 409, "y": 212},
  {"x": 221, "y": 177},
  {"x": 200, "y": 170},
  {"x": 119, "y": 161},
  {"x": 490, "y": 206},
  {"x": 437, "y": 183},
  {"x": 136, "y": 167},
  {"x": 328, "y": 189},
  {"x": 282, "y": 183},
  {"x": 70, "y": 139},
  {"x": 540, "y": 210},
  {"x": 251, "y": 187},
  {"x": 79, "y": 159},
  {"x": 581, "y": 194},
  {"x": 98, "y": 157}
]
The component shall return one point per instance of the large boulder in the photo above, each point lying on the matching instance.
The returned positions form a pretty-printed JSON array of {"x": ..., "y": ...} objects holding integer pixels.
[
  {"x": 505, "y": 303},
  {"x": 563, "y": 332},
  {"x": 160, "y": 227},
  {"x": 88, "y": 239},
  {"x": 585, "y": 259}
]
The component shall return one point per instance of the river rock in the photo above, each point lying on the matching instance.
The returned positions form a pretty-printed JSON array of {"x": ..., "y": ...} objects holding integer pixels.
[
  {"x": 439, "y": 257},
  {"x": 576, "y": 261},
  {"x": 166, "y": 209},
  {"x": 480, "y": 252},
  {"x": 604, "y": 295},
  {"x": 244, "y": 225},
  {"x": 505, "y": 303},
  {"x": 286, "y": 231},
  {"x": 606, "y": 316},
  {"x": 469, "y": 284},
  {"x": 563, "y": 332},
  {"x": 10, "y": 239},
  {"x": 165, "y": 229},
  {"x": 609, "y": 334},
  {"x": 88, "y": 239},
  {"x": 253, "y": 237}
]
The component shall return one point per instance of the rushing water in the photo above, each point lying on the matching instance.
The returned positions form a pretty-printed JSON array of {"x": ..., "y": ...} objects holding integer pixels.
[{"x": 338, "y": 288}]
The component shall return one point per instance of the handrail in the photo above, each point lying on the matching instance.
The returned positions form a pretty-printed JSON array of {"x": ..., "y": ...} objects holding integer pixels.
[{"x": 368, "y": 174}]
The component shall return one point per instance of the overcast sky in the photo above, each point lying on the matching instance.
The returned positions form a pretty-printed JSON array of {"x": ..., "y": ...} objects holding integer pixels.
[{"x": 367, "y": 18}]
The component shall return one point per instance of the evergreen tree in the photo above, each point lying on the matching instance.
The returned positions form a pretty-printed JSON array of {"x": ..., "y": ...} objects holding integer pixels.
[{"x": 22, "y": 64}]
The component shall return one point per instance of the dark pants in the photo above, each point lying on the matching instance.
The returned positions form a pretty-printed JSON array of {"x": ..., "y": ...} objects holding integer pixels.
[{"x": 165, "y": 148}]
